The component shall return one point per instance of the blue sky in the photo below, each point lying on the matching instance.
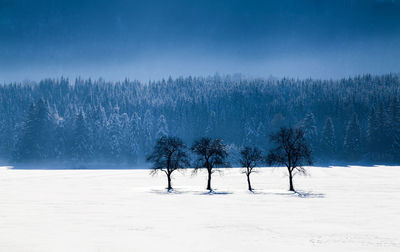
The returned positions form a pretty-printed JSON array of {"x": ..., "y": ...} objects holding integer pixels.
[{"x": 157, "y": 38}]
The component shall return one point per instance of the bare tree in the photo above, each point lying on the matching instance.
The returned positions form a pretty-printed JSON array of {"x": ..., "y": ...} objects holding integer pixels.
[
  {"x": 250, "y": 158},
  {"x": 169, "y": 155},
  {"x": 211, "y": 154},
  {"x": 291, "y": 150}
]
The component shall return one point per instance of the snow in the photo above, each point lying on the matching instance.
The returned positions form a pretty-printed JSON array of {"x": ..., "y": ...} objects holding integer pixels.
[{"x": 337, "y": 208}]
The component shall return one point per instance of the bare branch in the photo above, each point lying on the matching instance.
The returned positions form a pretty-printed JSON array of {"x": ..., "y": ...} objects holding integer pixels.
[{"x": 291, "y": 150}]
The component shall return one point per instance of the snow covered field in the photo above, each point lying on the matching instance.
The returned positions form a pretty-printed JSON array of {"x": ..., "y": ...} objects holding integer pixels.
[{"x": 339, "y": 209}]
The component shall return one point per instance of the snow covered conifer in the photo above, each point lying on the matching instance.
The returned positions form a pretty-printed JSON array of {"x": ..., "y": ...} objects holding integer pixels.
[
  {"x": 372, "y": 133},
  {"x": 310, "y": 130},
  {"x": 134, "y": 136},
  {"x": 115, "y": 135},
  {"x": 328, "y": 141},
  {"x": 147, "y": 131},
  {"x": 80, "y": 149},
  {"x": 394, "y": 116},
  {"x": 125, "y": 138},
  {"x": 250, "y": 132},
  {"x": 26, "y": 146},
  {"x": 162, "y": 127},
  {"x": 260, "y": 135},
  {"x": 396, "y": 147},
  {"x": 352, "y": 139},
  {"x": 35, "y": 133},
  {"x": 44, "y": 129}
]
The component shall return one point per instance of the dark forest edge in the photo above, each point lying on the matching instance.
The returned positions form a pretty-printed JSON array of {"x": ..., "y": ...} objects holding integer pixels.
[{"x": 348, "y": 121}]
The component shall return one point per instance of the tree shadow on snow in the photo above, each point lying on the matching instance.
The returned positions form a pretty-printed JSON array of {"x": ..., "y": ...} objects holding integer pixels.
[
  {"x": 310, "y": 194},
  {"x": 212, "y": 192},
  {"x": 175, "y": 191},
  {"x": 297, "y": 194},
  {"x": 165, "y": 191}
]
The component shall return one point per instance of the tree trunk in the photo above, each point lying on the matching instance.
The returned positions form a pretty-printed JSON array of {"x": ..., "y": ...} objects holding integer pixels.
[
  {"x": 169, "y": 188},
  {"x": 291, "y": 188},
  {"x": 248, "y": 182},
  {"x": 209, "y": 181}
]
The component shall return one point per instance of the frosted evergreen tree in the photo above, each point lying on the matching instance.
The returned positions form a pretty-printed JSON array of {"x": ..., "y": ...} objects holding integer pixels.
[
  {"x": 352, "y": 139},
  {"x": 396, "y": 148},
  {"x": 35, "y": 133},
  {"x": 372, "y": 133},
  {"x": 125, "y": 139},
  {"x": 115, "y": 135},
  {"x": 92, "y": 117},
  {"x": 147, "y": 130},
  {"x": 134, "y": 136},
  {"x": 394, "y": 114},
  {"x": 61, "y": 139},
  {"x": 261, "y": 135},
  {"x": 80, "y": 149},
  {"x": 277, "y": 121},
  {"x": 211, "y": 124},
  {"x": 234, "y": 153},
  {"x": 162, "y": 127},
  {"x": 328, "y": 140},
  {"x": 384, "y": 137},
  {"x": 102, "y": 132},
  {"x": 7, "y": 138},
  {"x": 44, "y": 130},
  {"x": 26, "y": 147},
  {"x": 250, "y": 132},
  {"x": 55, "y": 130},
  {"x": 310, "y": 130}
]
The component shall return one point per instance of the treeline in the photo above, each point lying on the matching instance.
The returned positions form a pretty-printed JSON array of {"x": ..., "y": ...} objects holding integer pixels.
[{"x": 353, "y": 119}]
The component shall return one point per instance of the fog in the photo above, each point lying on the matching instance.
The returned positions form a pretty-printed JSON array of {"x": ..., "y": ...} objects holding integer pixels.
[{"x": 154, "y": 39}]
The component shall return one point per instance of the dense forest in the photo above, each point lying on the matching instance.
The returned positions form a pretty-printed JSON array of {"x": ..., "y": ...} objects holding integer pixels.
[{"x": 347, "y": 120}]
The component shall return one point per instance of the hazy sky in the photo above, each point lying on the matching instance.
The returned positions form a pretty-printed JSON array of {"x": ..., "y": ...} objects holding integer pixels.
[{"x": 156, "y": 38}]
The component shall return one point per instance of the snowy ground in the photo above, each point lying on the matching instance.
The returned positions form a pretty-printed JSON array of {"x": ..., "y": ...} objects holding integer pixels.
[{"x": 339, "y": 209}]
